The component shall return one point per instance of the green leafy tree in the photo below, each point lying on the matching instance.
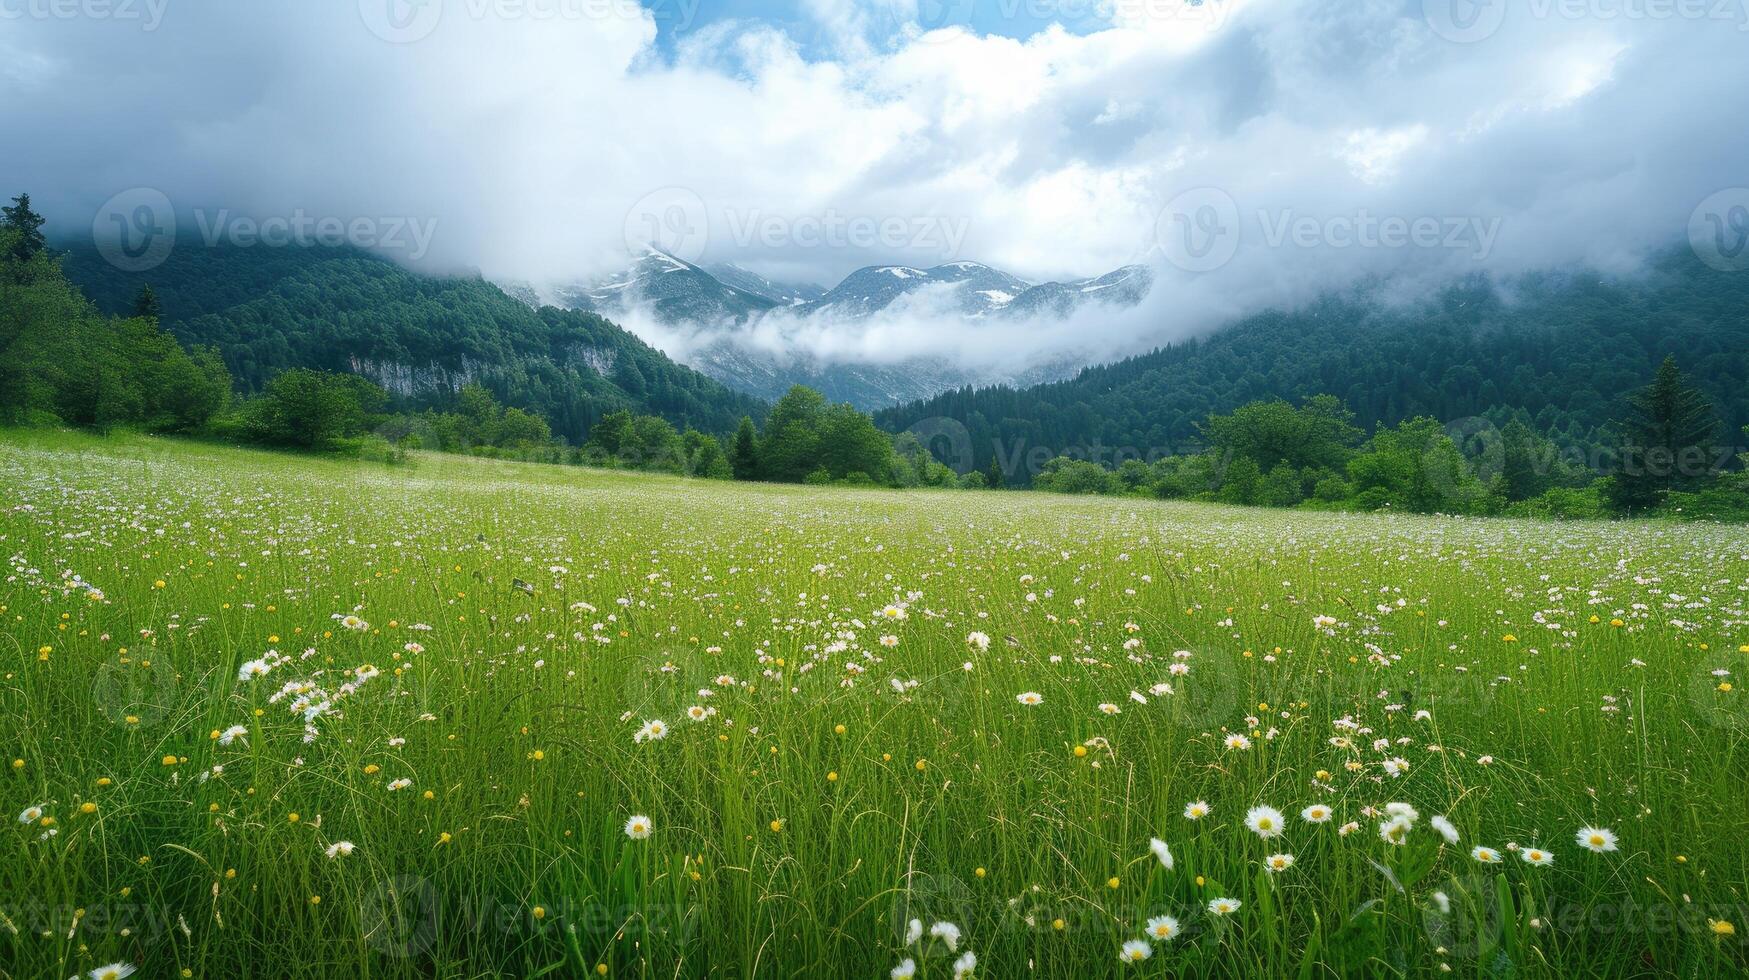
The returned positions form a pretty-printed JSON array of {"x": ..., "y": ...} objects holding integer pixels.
[
  {"x": 1416, "y": 467},
  {"x": 1239, "y": 481},
  {"x": 850, "y": 444},
  {"x": 612, "y": 433},
  {"x": 1078, "y": 476},
  {"x": 63, "y": 361},
  {"x": 1281, "y": 487},
  {"x": 1320, "y": 433},
  {"x": 705, "y": 456},
  {"x": 789, "y": 447},
  {"x": 312, "y": 409},
  {"x": 517, "y": 429}
]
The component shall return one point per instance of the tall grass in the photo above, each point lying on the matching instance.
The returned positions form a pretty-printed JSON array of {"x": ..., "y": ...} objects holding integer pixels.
[{"x": 527, "y": 622}]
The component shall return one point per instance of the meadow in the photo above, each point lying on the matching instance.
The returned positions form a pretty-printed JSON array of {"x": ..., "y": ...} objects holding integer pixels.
[{"x": 268, "y": 715}]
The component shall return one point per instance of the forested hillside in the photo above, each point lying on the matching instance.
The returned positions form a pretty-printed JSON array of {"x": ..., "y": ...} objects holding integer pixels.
[
  {"x": 421, "y": 337},
  {"x": 1556, "y": 351}
]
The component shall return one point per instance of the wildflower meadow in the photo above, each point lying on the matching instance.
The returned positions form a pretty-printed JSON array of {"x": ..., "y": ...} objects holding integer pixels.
[{"x": 273, "y": 715}]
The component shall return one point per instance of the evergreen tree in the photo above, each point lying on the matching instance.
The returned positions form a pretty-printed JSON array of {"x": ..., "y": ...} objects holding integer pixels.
[
  {"x": 146, "y": 304},
  {"x": 744, "y": 453},
  {"x": 28, "y": 224},
  {"x": 1524, "y": 462},
  {"x": 1666, "y": 441},
  {"x": 993, "y": 474}
]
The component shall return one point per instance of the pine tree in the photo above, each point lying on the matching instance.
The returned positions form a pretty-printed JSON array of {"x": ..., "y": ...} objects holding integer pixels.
[
  {"x": 744, "y": 453},
  {"x": 146, "y": 304},
  {"x": 1666, "y": 441},
  {"x": 993, "y": 474},
  {"x": 1524, "y": 462},
  {"x": 28, "y": 224}
]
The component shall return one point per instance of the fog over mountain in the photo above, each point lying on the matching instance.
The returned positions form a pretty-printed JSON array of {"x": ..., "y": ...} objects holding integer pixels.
[
  {"x": 1399, "y": 142},
  {"x": 859, "y": 341}
]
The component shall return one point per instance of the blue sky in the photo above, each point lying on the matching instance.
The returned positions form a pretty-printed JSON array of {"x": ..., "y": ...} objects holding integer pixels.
[{"x": 887, "y": 21}]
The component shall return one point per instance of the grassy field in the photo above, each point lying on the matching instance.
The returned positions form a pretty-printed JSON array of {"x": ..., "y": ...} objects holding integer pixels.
[{"x": 273, "y": 716}]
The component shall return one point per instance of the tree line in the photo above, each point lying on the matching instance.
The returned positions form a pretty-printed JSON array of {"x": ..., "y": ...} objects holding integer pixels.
[
  {"x": 1557, "y": 352},
  {"x": 62, "y": 361},
  {"x": 1665, "y": 459}
]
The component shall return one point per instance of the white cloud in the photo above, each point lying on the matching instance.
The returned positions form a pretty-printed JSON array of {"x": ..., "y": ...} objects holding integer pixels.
[{"x": 528, "y": 139}]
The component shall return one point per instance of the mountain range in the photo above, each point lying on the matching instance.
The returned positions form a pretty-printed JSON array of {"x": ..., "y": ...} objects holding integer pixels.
[
  {"x": 420, "y": 336},
  {"x": 729, "y": 316},
  {"x": 1558, "y": 350}
]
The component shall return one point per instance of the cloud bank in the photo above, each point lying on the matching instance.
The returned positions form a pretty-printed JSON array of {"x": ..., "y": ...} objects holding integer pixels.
[{"x": 1255, "y": 152}]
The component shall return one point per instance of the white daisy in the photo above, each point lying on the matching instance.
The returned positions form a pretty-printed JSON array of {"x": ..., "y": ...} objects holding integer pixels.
[
  {"x": 1163, "y": 928},
  {"x": 1265, "y": 821},
  {"x": 1135, "y": 951}
]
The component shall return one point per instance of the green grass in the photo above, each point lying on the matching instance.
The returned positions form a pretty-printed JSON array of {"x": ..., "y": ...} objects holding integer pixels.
[{"x": 802, "y": 825}]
